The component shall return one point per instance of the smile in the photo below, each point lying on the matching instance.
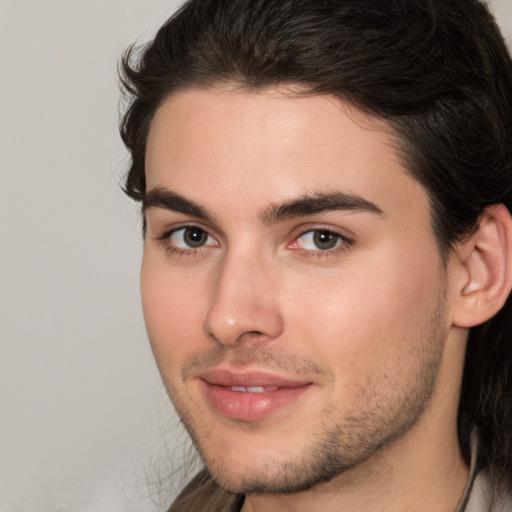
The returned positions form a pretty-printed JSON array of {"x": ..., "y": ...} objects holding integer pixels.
[
  {"x": 252, "y": 389},
  {"x": 250, "y": 396}
]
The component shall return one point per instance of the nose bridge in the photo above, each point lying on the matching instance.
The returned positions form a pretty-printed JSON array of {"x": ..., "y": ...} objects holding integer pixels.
[{"x": 244, "y": 301}]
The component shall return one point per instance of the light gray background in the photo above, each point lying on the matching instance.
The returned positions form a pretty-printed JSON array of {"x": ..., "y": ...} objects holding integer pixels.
[{"x": 84, "y": 422}]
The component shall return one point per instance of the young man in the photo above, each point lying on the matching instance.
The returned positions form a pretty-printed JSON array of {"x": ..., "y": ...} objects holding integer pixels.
[{"x": 328, "y": 250}]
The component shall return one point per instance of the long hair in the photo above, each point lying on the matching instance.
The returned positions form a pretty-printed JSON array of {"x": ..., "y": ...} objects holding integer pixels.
[{"x": 438, "y": 72}]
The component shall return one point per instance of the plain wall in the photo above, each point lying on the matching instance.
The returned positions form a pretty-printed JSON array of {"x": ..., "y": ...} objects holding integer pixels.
[
  {"x": 82, "y": 409},
  {"x": 85, "y": 424}
]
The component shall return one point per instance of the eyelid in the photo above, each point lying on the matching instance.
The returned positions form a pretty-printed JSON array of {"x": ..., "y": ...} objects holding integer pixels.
[
  {"x": 167, "y": 233},
  {"x": 169, "y": 230},
  {"x": 344, "y": 233},
  {"x": 345, "y": 237},
  {"x": 347, "y": 240}
]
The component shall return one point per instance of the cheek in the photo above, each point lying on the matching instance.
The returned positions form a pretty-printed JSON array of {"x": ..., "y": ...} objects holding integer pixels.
[
  {"x": 173, "y": 312},
  {"x": 373, "y": 312}
]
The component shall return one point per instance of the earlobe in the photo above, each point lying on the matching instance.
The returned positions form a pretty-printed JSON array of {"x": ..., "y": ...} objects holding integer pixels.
[{"x": 487, "y": 263}]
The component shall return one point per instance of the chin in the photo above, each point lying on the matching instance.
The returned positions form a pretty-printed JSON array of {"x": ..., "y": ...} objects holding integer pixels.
[
  {"x": 244, "y": 472},
  {"x": 282, "y": 467}
]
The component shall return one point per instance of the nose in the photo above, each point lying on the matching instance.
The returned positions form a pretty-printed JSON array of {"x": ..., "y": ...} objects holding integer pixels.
[{"x": 244, "y": 304}]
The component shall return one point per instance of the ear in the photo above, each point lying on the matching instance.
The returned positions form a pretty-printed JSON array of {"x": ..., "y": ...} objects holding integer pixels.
[{"x": 486, "y": 262}]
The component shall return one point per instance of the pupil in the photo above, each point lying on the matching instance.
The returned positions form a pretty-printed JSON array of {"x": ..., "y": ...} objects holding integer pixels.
[
  {"x": 325, "y": 239},
  {"x": 195, "y": 237}
]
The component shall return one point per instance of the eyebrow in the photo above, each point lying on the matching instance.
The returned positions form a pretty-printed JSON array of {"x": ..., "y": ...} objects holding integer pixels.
[
  {"x": 309, "y": 204},
  {"x": 169, "y": 200}
]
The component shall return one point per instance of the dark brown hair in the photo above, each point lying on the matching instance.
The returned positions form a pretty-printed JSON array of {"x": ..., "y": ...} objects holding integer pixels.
[{"x": 437, "y": 71}]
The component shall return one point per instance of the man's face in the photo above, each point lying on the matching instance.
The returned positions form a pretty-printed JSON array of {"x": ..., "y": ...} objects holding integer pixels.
[{"x": 292, "y": 287}]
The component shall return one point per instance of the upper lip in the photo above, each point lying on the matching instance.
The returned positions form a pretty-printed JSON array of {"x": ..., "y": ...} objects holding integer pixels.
[{"x": 229, "y": 378}]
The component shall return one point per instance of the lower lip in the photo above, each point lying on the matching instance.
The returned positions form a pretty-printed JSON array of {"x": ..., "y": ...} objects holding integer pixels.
[{"x": 246, "y": 406}]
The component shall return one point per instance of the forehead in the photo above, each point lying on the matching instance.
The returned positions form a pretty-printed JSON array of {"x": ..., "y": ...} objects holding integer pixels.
[{"x": 252, "y": 149}]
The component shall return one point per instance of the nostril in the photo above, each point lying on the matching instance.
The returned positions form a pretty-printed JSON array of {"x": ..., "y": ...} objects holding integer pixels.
[{"x": 239, "y": 313}]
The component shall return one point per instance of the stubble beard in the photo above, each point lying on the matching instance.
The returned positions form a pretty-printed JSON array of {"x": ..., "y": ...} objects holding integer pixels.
[{"x": 340, "y": 444}]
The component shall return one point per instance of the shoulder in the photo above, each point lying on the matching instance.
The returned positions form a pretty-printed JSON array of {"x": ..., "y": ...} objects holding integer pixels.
[
  {"x": 482, "y": 497},
  {"x": 202, "y": 493}
]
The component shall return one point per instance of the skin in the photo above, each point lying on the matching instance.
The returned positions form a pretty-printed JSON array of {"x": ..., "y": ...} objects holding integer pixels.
[{"x": 367, "y": 323}]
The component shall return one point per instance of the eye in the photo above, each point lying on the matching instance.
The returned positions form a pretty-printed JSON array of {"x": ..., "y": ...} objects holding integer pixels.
[
  {"x": 190, "y": 237},
  {"x": 320, "y": 240}
]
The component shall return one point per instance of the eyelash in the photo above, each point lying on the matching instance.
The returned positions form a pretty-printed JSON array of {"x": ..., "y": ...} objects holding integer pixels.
[
  {"x": 179, "y": 251},
  {"x": 343, "y": 242}
]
